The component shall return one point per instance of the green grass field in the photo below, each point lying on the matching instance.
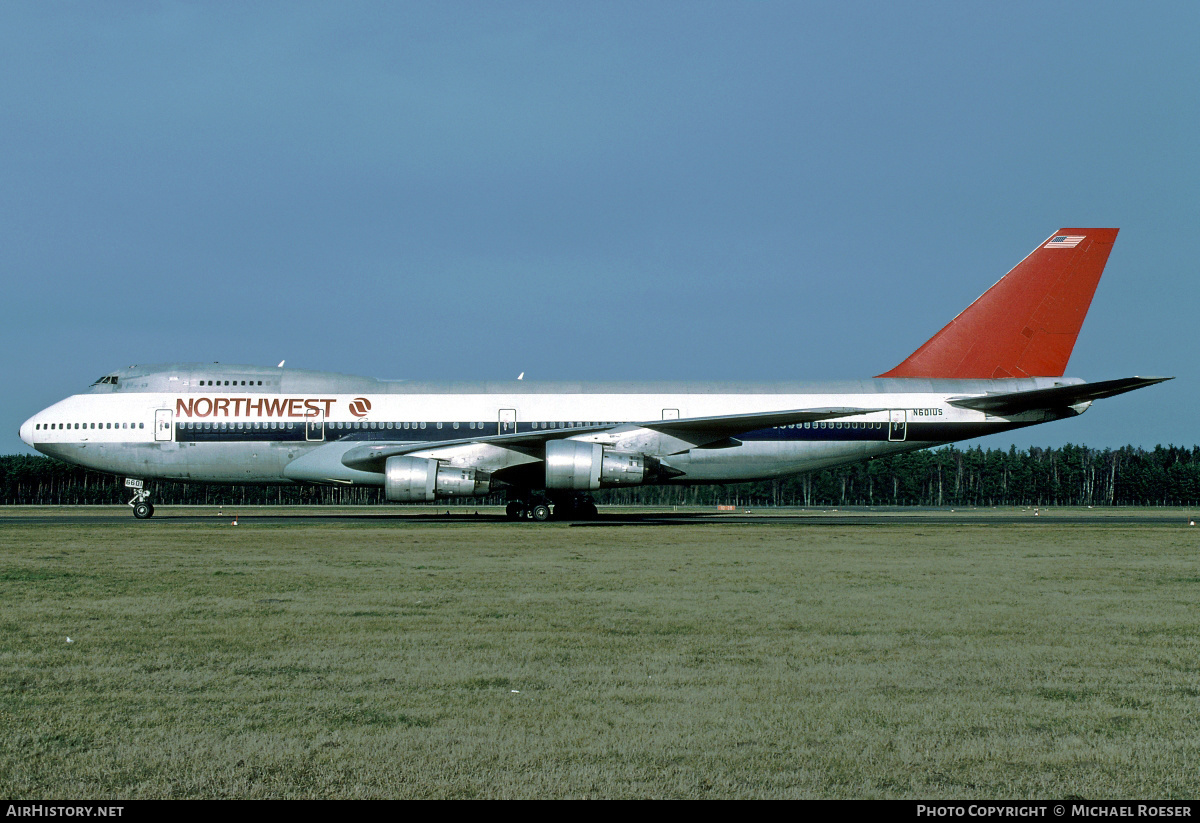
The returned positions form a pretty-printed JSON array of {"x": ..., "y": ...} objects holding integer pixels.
[{"x": 393, "y": 659}]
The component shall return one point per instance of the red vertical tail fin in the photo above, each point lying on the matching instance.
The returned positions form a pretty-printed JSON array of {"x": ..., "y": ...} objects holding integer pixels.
[{"x": 1026, "y": 324}]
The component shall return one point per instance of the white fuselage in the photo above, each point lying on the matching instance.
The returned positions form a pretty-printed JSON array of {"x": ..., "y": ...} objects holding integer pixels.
[{"x": 244, "y": 424}]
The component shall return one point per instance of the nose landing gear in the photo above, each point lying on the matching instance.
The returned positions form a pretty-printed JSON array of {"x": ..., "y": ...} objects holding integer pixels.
[{"x": 143, "y": 509}]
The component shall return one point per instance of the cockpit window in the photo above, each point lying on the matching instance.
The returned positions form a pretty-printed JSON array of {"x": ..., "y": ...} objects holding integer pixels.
[{"x": 110, "y": 379}]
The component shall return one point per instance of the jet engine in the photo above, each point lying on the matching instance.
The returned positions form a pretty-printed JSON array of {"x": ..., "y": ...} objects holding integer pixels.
[
  {"x": 572, "y": 464},
  {"x": 421, "y": 480}
]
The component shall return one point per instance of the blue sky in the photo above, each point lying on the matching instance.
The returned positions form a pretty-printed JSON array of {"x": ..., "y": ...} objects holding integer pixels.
[{"x": 589, "y": 190}]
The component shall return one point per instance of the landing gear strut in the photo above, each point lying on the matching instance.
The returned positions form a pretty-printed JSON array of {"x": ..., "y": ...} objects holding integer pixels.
[{"x": 143, "y": 509}]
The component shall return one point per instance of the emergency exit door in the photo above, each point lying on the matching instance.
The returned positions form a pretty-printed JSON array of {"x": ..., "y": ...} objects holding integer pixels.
[
  {"x": 162, "y": 425},
  {"x": 314, "y": 427},
  {"x": 508, "y": 421}
]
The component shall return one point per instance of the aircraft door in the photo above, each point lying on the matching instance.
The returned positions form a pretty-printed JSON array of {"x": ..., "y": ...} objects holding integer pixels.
[
  {"x": 163, "y": 430},
  {"x": 508, "y": 421},
  {"x": 314, "y": 427},
  {"x": 897, "y": 425}
]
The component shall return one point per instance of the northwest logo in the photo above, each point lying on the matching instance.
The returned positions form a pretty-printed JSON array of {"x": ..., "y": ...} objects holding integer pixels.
[
  {"x": 254, "y": 407},
  {"x": 359, "y": 406}
]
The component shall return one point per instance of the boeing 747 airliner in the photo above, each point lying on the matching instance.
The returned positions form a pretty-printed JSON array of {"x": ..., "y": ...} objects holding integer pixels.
[{"x": 995, "y": 367}]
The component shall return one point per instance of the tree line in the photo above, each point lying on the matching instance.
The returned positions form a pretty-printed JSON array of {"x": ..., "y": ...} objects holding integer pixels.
[{"x": 948, "y": 476}]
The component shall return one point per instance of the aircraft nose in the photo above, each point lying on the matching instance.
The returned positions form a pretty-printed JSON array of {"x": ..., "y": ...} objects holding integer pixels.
[{"x": 27, "y": 432}]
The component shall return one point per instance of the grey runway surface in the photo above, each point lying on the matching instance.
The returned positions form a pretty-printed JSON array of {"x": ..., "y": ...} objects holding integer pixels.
[{"x": 608, "y": 517}]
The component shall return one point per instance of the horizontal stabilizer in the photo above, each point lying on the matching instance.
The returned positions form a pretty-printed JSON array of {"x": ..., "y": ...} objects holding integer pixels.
[{"x": 1054, "y": 398}]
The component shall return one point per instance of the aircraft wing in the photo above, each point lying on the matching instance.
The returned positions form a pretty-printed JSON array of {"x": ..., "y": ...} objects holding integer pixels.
[
  {"x": 696, "y": 430},
  {"x": 1053, "y": 398},
  {"x": 371, "y": 456}
]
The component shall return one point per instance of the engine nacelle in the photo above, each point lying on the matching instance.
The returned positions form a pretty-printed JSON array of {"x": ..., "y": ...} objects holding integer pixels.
[
  {"x": 572, "y": 464},
  {"x": 422, "y": 480}
]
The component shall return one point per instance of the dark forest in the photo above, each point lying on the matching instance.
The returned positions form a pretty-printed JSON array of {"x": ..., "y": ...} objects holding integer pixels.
[{"x": 948, "y": 476}]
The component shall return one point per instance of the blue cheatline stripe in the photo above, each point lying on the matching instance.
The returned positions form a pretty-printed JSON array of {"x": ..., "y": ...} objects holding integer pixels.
[
  {"x": 294, "y": 432},
  {"x": 187, "y": 432},
  {"x": 918, "y": 432}
]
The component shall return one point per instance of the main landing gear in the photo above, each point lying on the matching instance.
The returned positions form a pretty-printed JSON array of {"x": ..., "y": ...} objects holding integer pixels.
[
  {"x": 143, "y": 509},
  {"x": 537, "y": 507}
]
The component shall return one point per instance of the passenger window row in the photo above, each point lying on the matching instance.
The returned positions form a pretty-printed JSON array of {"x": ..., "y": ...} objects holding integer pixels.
[
  {"x": 571, "y": 424},
  {"x": 229, "y": 383},
  {"x": 269, "y": 426},
  {"x": 373, "y": 426},
  {"x": 49, "y": 426},
  {"x": 360, "y": 426},
  {"x": 824, "y": 425}
]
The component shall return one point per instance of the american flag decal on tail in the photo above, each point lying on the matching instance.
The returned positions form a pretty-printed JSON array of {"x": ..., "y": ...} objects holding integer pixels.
[{"x": 1064, "y": 241}]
